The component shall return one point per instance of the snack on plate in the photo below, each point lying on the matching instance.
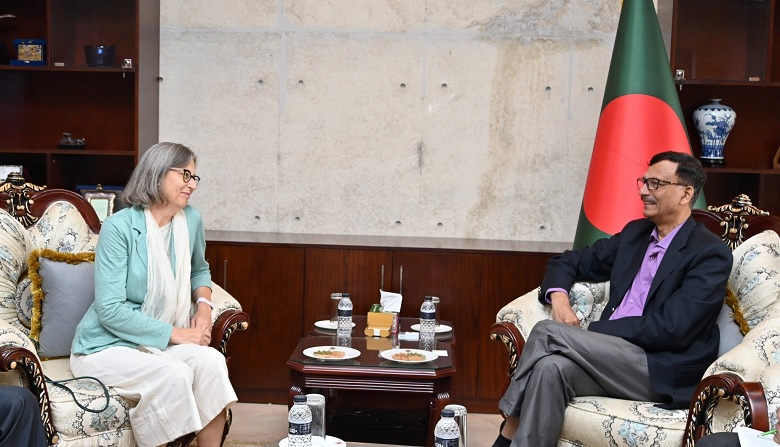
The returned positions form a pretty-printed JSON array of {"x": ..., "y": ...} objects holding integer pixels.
[
  {"x": 329, "y": 354},
  {"x": 409, "y": 356}
]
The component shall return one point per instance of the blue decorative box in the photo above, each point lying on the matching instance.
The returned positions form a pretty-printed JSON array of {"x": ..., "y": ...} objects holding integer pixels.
[{"x": 30, "y": 52}]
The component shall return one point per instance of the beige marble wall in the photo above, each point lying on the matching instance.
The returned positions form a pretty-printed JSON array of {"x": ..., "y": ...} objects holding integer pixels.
[{"x": 441, "y": 118}]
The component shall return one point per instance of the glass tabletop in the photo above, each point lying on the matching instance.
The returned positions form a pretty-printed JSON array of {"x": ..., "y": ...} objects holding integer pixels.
[{"x": 372, "y": 353}]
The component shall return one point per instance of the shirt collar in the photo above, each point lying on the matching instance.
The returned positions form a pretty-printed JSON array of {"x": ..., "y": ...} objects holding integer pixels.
[{"x": 669, "y": 237}]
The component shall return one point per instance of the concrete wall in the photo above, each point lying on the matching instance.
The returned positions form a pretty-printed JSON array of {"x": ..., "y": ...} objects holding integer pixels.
[{"x": 440, "y": 118}]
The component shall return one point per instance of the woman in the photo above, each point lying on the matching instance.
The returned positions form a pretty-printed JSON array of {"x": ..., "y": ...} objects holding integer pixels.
[{"x": 138, "y": 336}]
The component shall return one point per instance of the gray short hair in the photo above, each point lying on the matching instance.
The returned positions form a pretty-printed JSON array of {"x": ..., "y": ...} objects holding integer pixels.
[
  {"x": 689, "y": 170},
  {"x": 143, "y": 188}
]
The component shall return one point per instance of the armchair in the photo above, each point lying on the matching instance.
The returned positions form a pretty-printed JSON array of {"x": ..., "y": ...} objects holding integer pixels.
[
  {"x": 65, "y": 223},
  {"x": 736, "y": 387}
]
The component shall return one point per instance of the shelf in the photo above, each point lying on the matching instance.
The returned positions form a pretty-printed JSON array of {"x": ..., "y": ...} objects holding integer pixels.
[
  {"x": 728, "y": 170},
  {"x": 115, "y": 109},
  {"x": 82, "y": 152},
  {"x": 726, "y": 83},
  {"x": 76, "y": 69},
  {"x": 720, "y": 45}
]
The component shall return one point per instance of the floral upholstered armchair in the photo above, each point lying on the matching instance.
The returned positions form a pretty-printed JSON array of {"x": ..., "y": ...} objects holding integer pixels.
[
  {"x": 47, "y": 243},
  {"x": 742, "y": 387}
]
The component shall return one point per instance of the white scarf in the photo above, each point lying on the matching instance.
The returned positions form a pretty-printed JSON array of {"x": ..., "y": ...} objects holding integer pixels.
[{"x": 168, "y": 291}]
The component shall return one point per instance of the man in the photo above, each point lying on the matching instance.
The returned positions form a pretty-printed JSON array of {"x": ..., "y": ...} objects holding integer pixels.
[
  {"x": 20, "y": 419},
  {"x": 657, "y": 334}
]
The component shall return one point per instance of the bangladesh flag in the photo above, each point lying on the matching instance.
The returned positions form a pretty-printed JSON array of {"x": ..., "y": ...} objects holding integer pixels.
[{"x": 640, "y": 117}]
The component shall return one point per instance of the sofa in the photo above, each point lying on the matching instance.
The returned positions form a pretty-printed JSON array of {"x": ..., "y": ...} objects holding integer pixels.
[
  {"x": 742, "y": 387},
  {"x": 47, "y": 242}
]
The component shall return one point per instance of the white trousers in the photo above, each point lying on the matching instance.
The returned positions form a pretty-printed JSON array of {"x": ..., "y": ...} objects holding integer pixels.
[{"x": 179, "y": 390}]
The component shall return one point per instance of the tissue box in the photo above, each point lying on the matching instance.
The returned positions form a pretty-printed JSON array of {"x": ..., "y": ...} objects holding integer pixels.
[{"x": 379, "y": 324}]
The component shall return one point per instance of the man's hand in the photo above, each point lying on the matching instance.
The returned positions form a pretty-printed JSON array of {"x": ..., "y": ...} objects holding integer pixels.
[
  {"x": 192, "y": 335},
  {"x": 561, "y": 309}
]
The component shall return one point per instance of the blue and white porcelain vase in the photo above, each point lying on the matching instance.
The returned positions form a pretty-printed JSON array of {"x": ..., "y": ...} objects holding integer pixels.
[{"x": 714, "y": 122}]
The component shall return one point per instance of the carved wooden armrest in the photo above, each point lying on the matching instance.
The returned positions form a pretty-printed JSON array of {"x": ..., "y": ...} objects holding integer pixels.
[
  {"x": 15, "y": 358},
  {"x": 749, "y": 395},
  {"x": 508, "y": 334},
  {"x": 227, "y": 318},
  {"x": 226, "y": 324}
]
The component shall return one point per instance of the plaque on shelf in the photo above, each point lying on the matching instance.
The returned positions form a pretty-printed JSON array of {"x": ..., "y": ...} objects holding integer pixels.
[
  {"x": 101, "y": 196},
  {"x": 102, "y": 202},
  {"x": 30, "y": 52}
]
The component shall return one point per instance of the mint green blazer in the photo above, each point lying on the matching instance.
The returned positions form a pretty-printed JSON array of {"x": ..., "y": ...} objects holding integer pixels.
[{"x": 115, "y": 318}]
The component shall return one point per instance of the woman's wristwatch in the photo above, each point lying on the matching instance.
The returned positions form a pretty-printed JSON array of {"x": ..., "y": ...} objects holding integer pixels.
[{"x": 204, "y": 300}]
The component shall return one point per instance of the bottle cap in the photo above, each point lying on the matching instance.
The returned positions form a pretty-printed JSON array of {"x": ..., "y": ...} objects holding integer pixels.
[
  {"x": 302, "y": 398},
  {"x": 428, "y": 298},
  {"x": 447, "y": 413}
]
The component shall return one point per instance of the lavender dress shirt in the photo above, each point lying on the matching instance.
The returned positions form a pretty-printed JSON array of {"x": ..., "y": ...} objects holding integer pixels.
[{"x": 633, "y": 303}]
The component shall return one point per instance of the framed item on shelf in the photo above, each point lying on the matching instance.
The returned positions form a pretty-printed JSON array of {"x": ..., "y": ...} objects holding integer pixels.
[
  {"x": 102, "y": 202},
  {"x": 7, "y": 169},
  {"x": 30, "y": 52}
]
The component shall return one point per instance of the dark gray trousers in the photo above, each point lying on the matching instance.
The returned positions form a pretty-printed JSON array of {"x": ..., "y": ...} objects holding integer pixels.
[
  {"x": 20, "y": 418},
  {"x": 560, "y": 362},
  {"x": 720, "y": 440}
]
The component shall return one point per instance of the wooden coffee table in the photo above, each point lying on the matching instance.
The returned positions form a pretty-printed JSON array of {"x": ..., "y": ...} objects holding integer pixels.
[{"x": 371, "y": 399}]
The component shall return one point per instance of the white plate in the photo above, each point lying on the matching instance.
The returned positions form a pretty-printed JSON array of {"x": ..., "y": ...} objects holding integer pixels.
[
  {"x": 317, "y": 441},
  {"x": 439, "y": 329},
  {"x": 327, "y": 324},
  {"x": 349, "y": 353},
  {"x": 391, "y": 352}
]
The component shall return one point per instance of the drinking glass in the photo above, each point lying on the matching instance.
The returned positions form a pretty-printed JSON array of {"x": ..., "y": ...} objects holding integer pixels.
[
  {"x": 316, "y": 403},
  {"x": 436, "y": 305},
  {"x": 334, "y": 306},
  {"x": 461, "y": 417}
]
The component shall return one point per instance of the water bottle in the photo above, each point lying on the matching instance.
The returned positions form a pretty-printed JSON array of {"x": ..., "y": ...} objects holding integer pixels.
[
  {"x": 447, "y": 432},
  {"x": 428, "y": 318},
  {"x": 299, "y": 423},
  {"x": 344, "y": 328}
]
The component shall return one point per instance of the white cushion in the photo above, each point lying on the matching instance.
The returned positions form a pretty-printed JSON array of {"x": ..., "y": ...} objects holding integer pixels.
[
  {"x": 77, "y": 427},
  {"x": 755, "y": 279}
]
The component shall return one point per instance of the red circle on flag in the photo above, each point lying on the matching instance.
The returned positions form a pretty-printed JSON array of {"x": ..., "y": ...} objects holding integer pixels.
[{"x": 632, "y": 128}]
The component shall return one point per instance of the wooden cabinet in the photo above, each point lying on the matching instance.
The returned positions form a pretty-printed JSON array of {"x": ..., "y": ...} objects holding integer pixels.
[
  {"x": 730, "y": 49},
  {"x": 268, "y": 282},
  {"x": 114, "y": 109},
  {"x": 361, "y": 273},
  {"x": 504, "y": 278},
  {"x": 455, "y": 278},
  {"x": 284, "y": 285}
]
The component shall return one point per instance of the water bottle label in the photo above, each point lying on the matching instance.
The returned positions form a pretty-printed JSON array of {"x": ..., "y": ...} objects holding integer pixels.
[
  {"x": 345, "y": 312},
  {"x": 299, "y": 429},
  {"x": 438, "y": 442},
  {"x": 428, "y": 315}
]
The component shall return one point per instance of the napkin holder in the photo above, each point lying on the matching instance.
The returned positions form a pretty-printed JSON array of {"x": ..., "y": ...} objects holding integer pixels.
[{"x": 378, "y": 324}]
